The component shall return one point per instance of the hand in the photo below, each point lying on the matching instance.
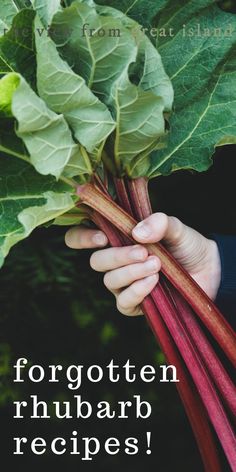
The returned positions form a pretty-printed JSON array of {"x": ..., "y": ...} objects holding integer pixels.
[{"x": 130, "y": 274}]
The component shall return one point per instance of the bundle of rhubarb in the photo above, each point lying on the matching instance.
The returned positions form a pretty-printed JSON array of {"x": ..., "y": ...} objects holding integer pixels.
[{"x": 87, "y": 118}]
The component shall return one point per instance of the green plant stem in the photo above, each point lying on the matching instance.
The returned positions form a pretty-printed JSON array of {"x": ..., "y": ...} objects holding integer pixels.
[{"x": 86, "y": 159}]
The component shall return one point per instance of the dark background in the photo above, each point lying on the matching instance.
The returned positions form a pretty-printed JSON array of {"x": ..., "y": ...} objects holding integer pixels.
[{"x": 54, "y": 309}]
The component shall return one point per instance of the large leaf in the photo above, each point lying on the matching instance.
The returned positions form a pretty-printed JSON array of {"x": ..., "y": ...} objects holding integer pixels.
[
  {"x": 9, "y": 9},
  {"x": 138, "y": 109},
  {"x": 100, "y": 60},
  {"x": 46, "y": 9},
  {"x": 149, "y": 73},
  {"x": 140, "y": 124},
  {"x": 202, "y": 68},
  {"x": 27, "y": 200},
  {"x": 9, "y": 142},
  {"x": 17, "y": 47},
  {"x": 46, "y": 135},
  {"x": 139, "y": 10},
  {"x": 147, "y": 70},
  {"x": 7, "y": 13},
  {"x": 66, "y": 92}
]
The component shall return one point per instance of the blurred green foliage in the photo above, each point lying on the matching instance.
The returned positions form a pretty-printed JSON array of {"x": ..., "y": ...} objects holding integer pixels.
[{"x": 228, "y": 5}]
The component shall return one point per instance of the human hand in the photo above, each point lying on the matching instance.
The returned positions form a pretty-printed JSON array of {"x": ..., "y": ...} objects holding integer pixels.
[{"x": 131, "y": 274}]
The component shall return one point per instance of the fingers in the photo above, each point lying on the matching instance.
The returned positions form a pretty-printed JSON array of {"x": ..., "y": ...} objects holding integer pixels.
[
  {"x": 128, "y": 300},
  {"x": 84, "y": 238},
  {"x": 113, "y": 258},
  {"x": 124, "y": 276},
  {"x": 159, "y": 226}
]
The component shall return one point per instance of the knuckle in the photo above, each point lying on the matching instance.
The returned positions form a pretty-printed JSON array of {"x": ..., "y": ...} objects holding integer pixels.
[
  {"x": 136, "y": 291},
  {"x": 130, "y": 271},
  {"x": 124, "y": 311},
  {"x": 107, "y": 281},
  {"x": 116, "y": 256},
  {"x": 178, "y": 228},
  {"x": 120, "y": 256},
  {"x": 120, "y": 304},
  {"x": 80, "y": 244},
  {"x": 81, "y": 239},
  {"x": 163, "y": 218},
  {"x": 119, "y": 308},
  {"x": 94, "y": 261}
]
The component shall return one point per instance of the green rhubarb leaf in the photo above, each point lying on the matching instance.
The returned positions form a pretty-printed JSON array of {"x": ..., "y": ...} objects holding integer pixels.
[
  {"x": 138, "y": 109},
  {"x": 9, "y": 142},
  {"x": 46, "y": 9},
  {"x": 140, "y": 125},
  {"x": 45, "y": 134},
  {"x": 17, "y": 47},
  {"x": 8, "y": 10},
  {"x": 147, "y": 70},
  {"x": 201, "y": 62},
  {"x": 66, "y": 92},
  {"x": 27, "y": 200},
  {"x": 139, "y": 10},
  {"x": 100, "y": 60}
]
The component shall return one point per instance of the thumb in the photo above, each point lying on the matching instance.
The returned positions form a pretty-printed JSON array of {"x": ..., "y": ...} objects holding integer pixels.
[{"x": 160, "y": 226}]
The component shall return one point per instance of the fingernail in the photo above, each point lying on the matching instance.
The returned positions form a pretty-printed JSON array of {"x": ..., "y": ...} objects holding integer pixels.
[
  {"x": 151, "y": 264},
  {"x": 142, "y": 230},
  {"x": 137, "y": 254},
  {"x": 99, "y": 239}
]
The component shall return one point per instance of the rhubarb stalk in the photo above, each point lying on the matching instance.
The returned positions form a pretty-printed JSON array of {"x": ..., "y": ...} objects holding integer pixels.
[
  {"x": 199, "y": 374},
  {"x": 138, "y": 191},
  {"x": 198, "y": 344},
  {"x": 195, "y": 296},
  {"x": 189, "y": 395}
]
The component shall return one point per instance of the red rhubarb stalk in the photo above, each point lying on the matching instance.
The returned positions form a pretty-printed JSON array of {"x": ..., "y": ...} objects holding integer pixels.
[
  {"x": 199, "y": 374},
  {"x": 195, "y": 296},
  {"x": 209, "y": 357},
  {"x": 137, "y": 188},
  {"x": 98, "y": 182},
  {"x": 138, "y": 191},
  {"x": 111, "y": 232},
  {"x": 189, "y": 395},
  {"x": 122, "y": 194}
]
